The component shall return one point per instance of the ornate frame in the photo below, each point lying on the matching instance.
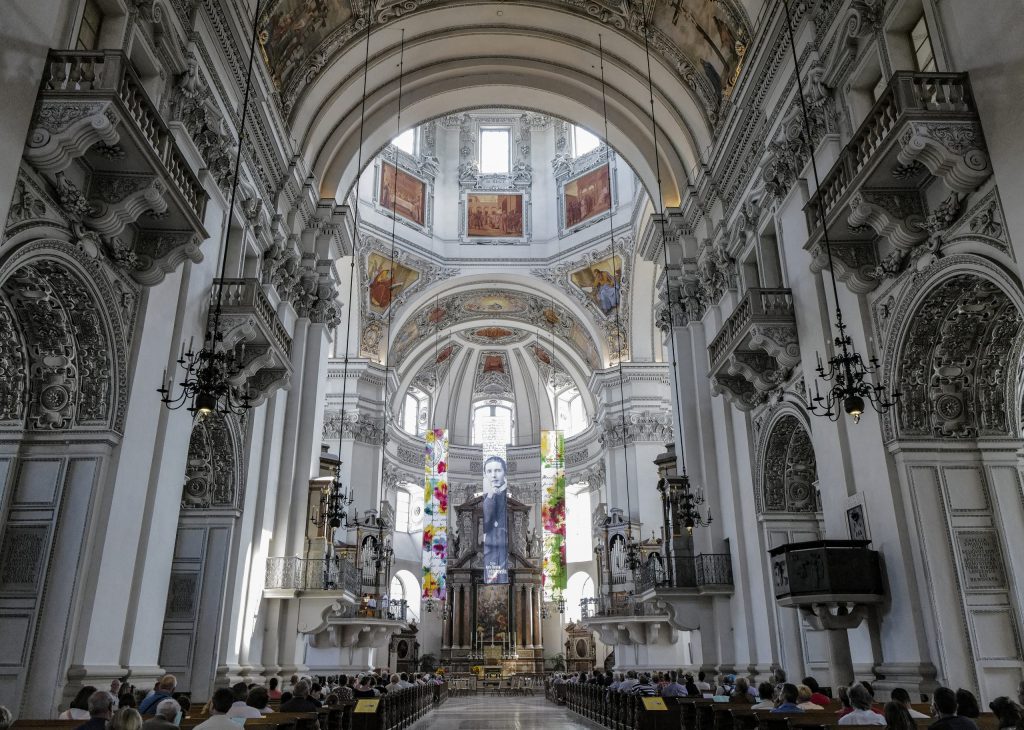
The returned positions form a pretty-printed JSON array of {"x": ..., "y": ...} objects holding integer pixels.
[
  {"x": 584, "y": 165},
  {"x": 495, "y": 185},
  {"x": 415, "y": 167}
]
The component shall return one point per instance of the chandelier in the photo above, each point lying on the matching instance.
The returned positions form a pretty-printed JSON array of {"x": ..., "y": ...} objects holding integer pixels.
[
  {"x": 848, "y": 378},
  {"x": 208, "y": 374},
  {"x": 687, "y": 507}
]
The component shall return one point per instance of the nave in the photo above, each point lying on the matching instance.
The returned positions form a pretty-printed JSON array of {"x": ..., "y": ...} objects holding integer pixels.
[{"x": 502, "y": 712}]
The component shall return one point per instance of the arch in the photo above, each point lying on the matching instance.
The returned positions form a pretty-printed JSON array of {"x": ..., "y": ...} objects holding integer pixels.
[
  {"x": 410, "y": 592},
  {"x": 501, "y": 54},
  {"x": 214, "y": 473},
  {"x": 956, "y": 357},
  {"x": 64, "y": 354},
  {"x": 579, "y": 586},
  {"x": 789, "y": 469}
]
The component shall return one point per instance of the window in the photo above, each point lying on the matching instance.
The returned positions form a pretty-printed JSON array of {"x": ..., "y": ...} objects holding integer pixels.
[
  {"x": 924, "y": 55},
  {"x": 578, "y": 542},
  {"x": 407, "y": 141},
  {"x": 494, "y": 150},
  {"x": 493, "y": 421},
  {"x": 569, "y": 412},
  {"x": 414, "y": 412},
  {"x": 583, "y": 141},
  {"x": 89, "y": 30},
  {"x": 402, "y": 511}
]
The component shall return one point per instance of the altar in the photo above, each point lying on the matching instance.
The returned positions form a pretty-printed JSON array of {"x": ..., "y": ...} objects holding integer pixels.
[{"x": 497, "y": 626}]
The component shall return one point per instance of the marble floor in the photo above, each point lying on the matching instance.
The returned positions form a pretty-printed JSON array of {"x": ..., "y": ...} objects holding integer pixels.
[{"x": 490, "y": 712}]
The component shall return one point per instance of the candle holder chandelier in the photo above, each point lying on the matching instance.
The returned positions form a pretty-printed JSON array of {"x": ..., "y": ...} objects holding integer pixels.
[
  {"x": 209, "y": 373},
  {"x": 687, "y": 507},
  {"x": 849, "y": 379}
]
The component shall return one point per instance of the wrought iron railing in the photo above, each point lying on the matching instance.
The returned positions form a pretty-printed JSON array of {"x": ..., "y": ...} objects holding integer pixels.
[
  {"x": 617, "y": 605},
  {"x": 298, "y": 574}
]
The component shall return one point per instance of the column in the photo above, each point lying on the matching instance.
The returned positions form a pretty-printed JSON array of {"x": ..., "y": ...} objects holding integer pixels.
[
  {"x": 466, "y": 598},
  {"x": 529, "y": 617},
  {"x": 521, "y": 636},
  {"x": 535, "y": 613},
  {"x": 446, "y": 631}
]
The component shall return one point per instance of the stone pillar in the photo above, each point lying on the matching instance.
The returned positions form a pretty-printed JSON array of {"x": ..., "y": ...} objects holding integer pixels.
[
  {"x": 466, "y": 617},
  {"x": 836, "y": 620},
  {"x": 529, "y": 616},
  {"x": 446, "y": 631},
  {"x": 538, "y": 639}
]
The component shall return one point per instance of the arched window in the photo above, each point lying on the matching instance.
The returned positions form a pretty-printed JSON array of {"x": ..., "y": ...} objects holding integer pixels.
[
  {"x": 408, "y": 509},
  {"x": 405, "y": 587},
  {"x": 415, "y": 412},
  {"x": 494, "y": 417},
  {"x": 579, "y": 586},
  {"x": 578, "y": 547}
]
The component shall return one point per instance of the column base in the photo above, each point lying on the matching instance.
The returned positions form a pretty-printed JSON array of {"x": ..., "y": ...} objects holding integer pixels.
[{"x": 916, "y": 678}]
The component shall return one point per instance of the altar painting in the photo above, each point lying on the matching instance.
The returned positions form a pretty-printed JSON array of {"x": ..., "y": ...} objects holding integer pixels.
[{"x": 492, "y": 611}]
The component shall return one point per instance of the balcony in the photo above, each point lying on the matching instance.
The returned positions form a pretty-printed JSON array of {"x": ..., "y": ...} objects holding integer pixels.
[
  {"x": 101, "y": 143},
  {"x": 712, "y": 570},
  {"x": 291, "y": 577},
  {"x": 756, "y": 348},
  {"x": 248, "y": 320},
  {"x": 924, "y": 127}
]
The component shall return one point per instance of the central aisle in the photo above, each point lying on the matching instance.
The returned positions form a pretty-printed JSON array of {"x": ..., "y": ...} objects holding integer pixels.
[{"x": 491, "y": 712}]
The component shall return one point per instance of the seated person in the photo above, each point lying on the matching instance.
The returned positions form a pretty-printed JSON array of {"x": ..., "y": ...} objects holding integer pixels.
[{"x": 790, "y": 695}]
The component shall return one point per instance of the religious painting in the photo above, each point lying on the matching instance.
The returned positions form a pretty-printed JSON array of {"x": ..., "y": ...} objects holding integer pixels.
[
  {"x": 293, "y": 29},
  {"x": 402, "y": 194},
  {"x": 491, "y": 612},
  {"x": 541, "y": 354},
  {"x": 602, "y": 281},
  {"x": 857, "y": 523},
  {"x": 587, "y": 196},
  {"x": 387, "y": 280},
  {"x": 444, "y": 354},
  {"x": 704, "y": 31},
  {"x": 494, "y": 215}
]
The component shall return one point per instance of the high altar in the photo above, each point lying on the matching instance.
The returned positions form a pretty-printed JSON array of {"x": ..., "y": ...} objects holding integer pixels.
[{"x": 494, "y": 626}]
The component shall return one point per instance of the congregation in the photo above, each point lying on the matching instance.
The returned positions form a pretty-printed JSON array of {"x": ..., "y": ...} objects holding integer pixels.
[
  {"x": 854, "y": 705},
  {"x": 161, "y": 707}
]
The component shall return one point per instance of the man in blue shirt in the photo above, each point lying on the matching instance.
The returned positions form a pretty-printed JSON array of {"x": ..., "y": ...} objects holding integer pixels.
[
  {"x": 790, "y": 694},
  {"x": 164, "y": 690}
]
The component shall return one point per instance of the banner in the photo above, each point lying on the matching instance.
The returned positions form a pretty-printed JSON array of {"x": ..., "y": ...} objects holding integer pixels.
[
  {"x": 435, "y": 514},
  {"x": 495, "y": 503},
  {"x": 552, "y": 483}
]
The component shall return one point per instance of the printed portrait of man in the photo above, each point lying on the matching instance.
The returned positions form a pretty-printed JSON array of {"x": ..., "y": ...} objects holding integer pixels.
[{"x": 495, "y": 520}]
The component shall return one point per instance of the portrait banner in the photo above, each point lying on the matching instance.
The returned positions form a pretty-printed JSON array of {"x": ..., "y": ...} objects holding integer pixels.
[
  {"x": 552, "y": 482},
  {"x": 495, "y": 503},
  {"x": 435, "y": 514}
]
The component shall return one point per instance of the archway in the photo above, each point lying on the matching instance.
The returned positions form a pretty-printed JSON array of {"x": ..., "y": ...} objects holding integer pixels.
[
  {"x": 405, "y": 587},
  {"x": 579, "y": 586}
]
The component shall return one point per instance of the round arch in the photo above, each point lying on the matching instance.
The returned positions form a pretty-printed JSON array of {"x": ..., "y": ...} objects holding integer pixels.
[
  {"x": 496, "y": 54},
  {"x": 579, "y": 586},
  {"x": 788, "y": 468},
  {"x": 410, "y": 592},
  {"x": 954, "y": 353}
]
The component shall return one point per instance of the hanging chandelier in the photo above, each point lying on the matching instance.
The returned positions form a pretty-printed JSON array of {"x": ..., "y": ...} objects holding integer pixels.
[
  {"x": 207, "y": 384},
  {"x": 851, "y": 383},
  {"x": 687, "y": 507}
]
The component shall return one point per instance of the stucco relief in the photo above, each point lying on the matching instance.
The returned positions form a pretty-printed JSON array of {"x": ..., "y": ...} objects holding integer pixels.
[{"x": 789, "y": 470}]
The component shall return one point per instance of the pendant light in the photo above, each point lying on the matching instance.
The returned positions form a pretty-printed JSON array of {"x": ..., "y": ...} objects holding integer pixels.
[
  {"x": 206, "y": 387},
  {"x": 854, "y": 383}
]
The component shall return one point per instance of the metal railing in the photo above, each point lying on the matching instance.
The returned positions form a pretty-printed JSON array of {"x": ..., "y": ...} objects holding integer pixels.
[
  {"x": 758, "y": 305},
  {"x": 92, "y": 75},
  {"x": 299, "y": 574},
  {"x": 249, "y": 294},
  {"x": 615, "y": 606},
  {"x": 908, "y": 96}
]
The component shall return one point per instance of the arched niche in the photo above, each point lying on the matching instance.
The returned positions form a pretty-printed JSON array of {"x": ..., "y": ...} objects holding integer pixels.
[
  {"x": 788, "y": 469},
  {"x": 62, "y": 344},
  {"x": 957, "y": 362},
  {"x": 214, "y": 477}
]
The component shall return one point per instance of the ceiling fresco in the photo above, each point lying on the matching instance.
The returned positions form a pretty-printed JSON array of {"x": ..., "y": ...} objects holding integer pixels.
[
  {"x": 496, "y": 306},
  {"x": 494, "y": 335},
  {"x": 704, "y": 40}
]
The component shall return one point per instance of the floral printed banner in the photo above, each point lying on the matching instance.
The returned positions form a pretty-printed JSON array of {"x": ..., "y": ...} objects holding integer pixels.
[
  {"x": 552, "y": 482},
  {"x": 435, "y": 514}
]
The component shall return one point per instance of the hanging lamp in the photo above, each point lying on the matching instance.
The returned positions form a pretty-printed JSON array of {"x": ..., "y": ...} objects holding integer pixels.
[
  {"x": 850, "y": 381},
  {"x": 206, "y": 385}
]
